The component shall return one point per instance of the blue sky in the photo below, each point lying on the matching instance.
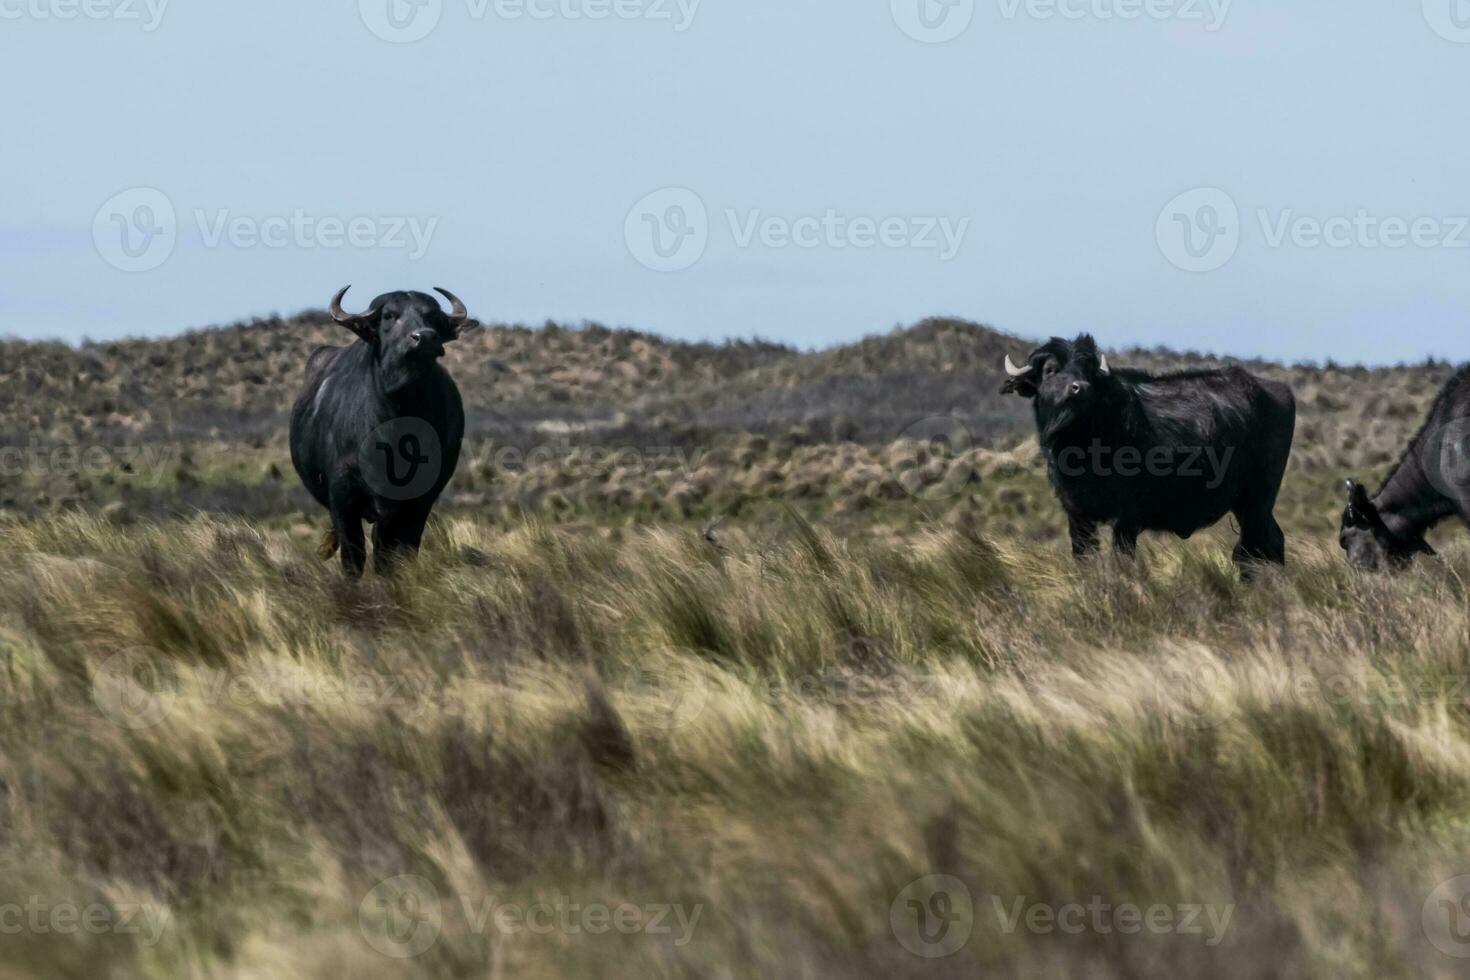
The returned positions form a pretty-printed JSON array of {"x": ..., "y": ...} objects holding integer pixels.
[{"x": 1234, "y": 175}]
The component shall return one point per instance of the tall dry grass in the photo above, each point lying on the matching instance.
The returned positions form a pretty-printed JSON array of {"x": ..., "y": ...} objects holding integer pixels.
[{"x": 725, "y": 758}]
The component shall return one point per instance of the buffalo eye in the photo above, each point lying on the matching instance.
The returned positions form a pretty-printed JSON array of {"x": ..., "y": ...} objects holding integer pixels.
[{"x": 1050, "y": 369}]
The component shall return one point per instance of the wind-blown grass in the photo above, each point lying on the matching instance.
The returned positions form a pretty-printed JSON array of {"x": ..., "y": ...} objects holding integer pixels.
[{"x": 768, "y": 737}]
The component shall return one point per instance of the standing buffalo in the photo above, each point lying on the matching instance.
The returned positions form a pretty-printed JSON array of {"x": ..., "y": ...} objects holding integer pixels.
[
  {"x": 1431, "y": 482},
  {"x": 376, "y": 431},
  {"x": 1171, "y": 452}
]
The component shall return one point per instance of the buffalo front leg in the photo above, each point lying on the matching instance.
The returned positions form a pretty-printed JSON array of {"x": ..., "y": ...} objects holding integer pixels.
[
  {"x": 347, "y": 529},
  {"x": 1084, "y": 536},
  {"x": 1125, "y": 539},
  {"x": 1261, "y": 540}
]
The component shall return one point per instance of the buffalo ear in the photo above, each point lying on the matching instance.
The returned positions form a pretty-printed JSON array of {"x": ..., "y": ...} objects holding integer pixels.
[
  {"x": 1022, "y": 386},
  {"x": 1361, "y": 510},
  {"x": 1358, "y": 498},
  {"x": 364, "y": 325},
  {"x": 460, "y": 332}
]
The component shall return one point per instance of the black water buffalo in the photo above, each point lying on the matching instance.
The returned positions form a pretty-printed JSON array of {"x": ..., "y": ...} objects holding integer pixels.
[
  {"x": 1170, "y": 452},
  {"x": 376, "y": 431},
  {"x": 1430, "y": 482}
]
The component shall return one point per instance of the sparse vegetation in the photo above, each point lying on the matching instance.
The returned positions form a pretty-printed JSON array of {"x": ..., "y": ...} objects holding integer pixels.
[{"x": 586, "y": 693}]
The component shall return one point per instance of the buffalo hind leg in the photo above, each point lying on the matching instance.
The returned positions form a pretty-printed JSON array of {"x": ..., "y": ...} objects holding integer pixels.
[{"x": 396, "y": 541}]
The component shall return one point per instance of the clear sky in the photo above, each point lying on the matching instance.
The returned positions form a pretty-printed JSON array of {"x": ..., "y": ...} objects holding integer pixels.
[{"x": 1288, "y": 178}]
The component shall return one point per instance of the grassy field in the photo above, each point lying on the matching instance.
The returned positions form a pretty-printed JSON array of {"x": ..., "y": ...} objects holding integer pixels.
[
  {"x": 554, "y": 753},
  {"x": 800, "y": 697}
]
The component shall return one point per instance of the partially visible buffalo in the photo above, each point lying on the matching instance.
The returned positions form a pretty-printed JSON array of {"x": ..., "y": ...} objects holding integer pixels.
[
  {"x": 376, "y": 431},
  {"x": 1171, "y": 452},
  {"x": 1430, "y": 482}
]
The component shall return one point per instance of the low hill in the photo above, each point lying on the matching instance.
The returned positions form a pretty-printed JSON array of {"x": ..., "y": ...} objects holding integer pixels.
[{"x": 198, "y": 421}]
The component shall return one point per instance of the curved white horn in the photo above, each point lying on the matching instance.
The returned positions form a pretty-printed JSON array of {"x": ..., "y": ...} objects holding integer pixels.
[
  {"x": 1014, "y": 371},
  {"x": 1102, "y": 365}
]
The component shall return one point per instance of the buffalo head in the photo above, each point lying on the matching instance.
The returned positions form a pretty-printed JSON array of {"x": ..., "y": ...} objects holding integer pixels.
[
  {"x": 1367, "y": 539},
  {"x": 406, "y": 330},
  {"x": 1064, "y": 378}
]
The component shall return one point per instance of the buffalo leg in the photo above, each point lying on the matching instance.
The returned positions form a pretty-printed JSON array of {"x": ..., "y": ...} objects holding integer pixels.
[
  {"x": 1261, "y": 540},
  {"x": 348, "y": 529},
  {"x": 1084, "y": 536},
  {"x": 396, "y": 540},
  {"x": 1125, "y": 539}
]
